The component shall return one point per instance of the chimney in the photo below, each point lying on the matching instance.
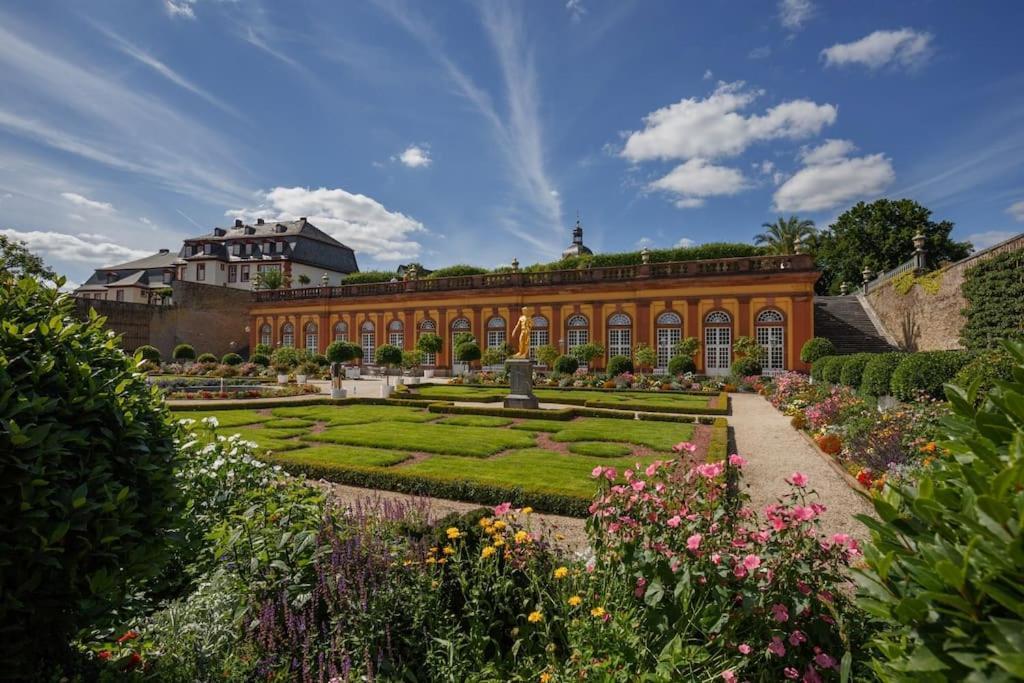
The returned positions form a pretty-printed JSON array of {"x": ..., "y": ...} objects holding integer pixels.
[
  {"x": 259, "y": 221},
  {"x": 238, "y": 222},
  {"x": 165, "y": 251},
  {"x": 302, "y": 219}
]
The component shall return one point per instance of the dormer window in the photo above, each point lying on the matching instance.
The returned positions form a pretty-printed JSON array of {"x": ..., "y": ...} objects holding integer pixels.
[
  {"x": 280, "y": 228},
  {"x": 219, "y": 232},
  {"x": 236, "y": 249},
  {"x": 207, "y": 248},
  {"x": 249, "y": 230}
]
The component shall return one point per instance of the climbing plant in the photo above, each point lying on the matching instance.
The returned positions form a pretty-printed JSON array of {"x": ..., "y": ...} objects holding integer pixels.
[
  {"x": 994, "y": 290},
  {"x": 929, "y": 282}
]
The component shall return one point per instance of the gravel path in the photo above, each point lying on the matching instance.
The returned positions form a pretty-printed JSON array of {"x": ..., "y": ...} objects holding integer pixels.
[{"x": 774, "y": 450}]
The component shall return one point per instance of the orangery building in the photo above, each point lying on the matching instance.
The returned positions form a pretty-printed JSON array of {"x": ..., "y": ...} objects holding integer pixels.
[{"x": 769, "y": 298}]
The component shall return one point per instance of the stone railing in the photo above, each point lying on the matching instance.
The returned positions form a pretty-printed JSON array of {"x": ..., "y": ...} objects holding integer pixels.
[{"x": 551, "y": 278}]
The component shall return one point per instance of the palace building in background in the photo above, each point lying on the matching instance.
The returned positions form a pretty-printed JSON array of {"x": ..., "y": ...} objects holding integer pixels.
[{"x": 770, "y": 298}]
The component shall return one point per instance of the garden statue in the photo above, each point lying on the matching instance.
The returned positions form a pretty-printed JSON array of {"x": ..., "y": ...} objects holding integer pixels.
[{"x": 525, "y": 326}]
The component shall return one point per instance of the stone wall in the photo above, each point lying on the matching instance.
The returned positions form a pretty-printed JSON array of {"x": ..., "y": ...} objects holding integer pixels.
[
  {"x": 211, "y": 319},
  {"x": 924, "y": 321}
]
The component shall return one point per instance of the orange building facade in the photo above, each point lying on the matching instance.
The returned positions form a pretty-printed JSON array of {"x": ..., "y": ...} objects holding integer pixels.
[{"x": 769, "y": 298}]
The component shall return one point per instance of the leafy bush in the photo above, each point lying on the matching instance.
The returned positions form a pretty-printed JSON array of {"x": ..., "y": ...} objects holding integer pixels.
[
  {"x": 618, "y": 365},
  {"x": 429, "y": 343},
  {"x": 687, "y": 347},
  {"x": 493, "y": 356},
  {"x": 877, "y": 374},
  {"x": 457, "y": 270},
  {"x": 320, "y": 359},
  {"x": 566, "y": 365},
  {"x": 853, "y": 369},
  {"x": 816, "y": 348},
  {"x": 88, "y": 487},
  {"x": 150, "y": 353},
  {"x": 260, "y": 359},
  {"x": 547, "y": 354},
  {"x": 183, "y": 352},
  {"x": 467, "y": 352},
  {"x": 231, "y": 359},
  {"x": 833, "y": 369},
  {"x": 342, "y": 352},
  {"x": 986, "y": 369},
  {"x": 710, "y": 250},
  {"x": 818, "y": 369},
  {"x": 262, "y": 348},
  {"x": 994, "y": 291},
  {"x": 644, "y": 357},
  {"x": 586, "y": 353},
  {"x": 285, "y": 359},
  {"x": 680, "y": 365},
  {"x": 368, "y": 277},
  {"x": 746, "y": 366},
  {"x": 206, "y": 358},
  {"x": 926, "y": 371},
  {"x": 388, "y": 355},
  {"x": 944, "y": 565}
]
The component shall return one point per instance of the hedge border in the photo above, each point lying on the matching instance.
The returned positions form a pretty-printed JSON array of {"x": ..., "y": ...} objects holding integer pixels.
[
  {"x": 690, "y": 392},
  {"x": 721, "y": 409},
  {"x": 249, "y": 404}
]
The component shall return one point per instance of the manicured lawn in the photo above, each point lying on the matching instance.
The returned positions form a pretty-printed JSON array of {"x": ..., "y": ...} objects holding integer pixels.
[
  {"x": 625, "y": 400},
  {"x": 482, "y": 458}
]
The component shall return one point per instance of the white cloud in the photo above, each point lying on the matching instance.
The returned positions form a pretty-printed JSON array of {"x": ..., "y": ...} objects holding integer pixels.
[
  {"x": 830, "y": 178},
  {"x": 85, "y": 249},
  {"x": 356, "y": 220},
  {"x": 984, "y": 240},
  {"x": 714, "y": 127},
  {"x": 905, "y": 48},
  {"x": 762, "y": 52},
  {"x": 794, "y": 13},
  {"x": 180, "y": 8},
  {"x": 415, "y": 156},
  {"x": 148, "y": 223},
  {"x": 644, "y": 243},
  {"x": 575, "y": 9},
  {"x": 86, "y": 203},
  {"x": 708, "y": 75},
  {"x": 696, "y": 179},
  {"x": 1017, "y": 211},
  {"x": 686, "y": 242}
]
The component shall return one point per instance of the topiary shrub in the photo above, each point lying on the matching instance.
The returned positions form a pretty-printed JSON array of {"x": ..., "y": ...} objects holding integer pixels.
[
  {"x": 819, "y": 367},
  {"x": 926, "y": 371},
  {"x": 619, "y": 364},
  {"x": 833, "y": 369},
  {"x": 944, "y": 564},
  {"x": 342, "y": 352},
  {"x": 986, "y": 369},
  {"x": 877, "y": 374},
  {"x": 680, "y": 365},
  {"x": 149, "y": 353},
  {"x": 87, "y": 475},
  {"x": 816, "y": 348},
  {"x": 206, "y": 358},
  {"x": 263, "y": 349},
  {"x": 566, "y": 365},
  {"x": 746, "y": 366},
  {"x": 230, "y": 359},
  {"x": 320, "y": 359},
  {"x": 183, "y": 352},
  {"x": 285, "y": 357},
  {"x": 853, "y": 369},
  {"x": 467, "y": 352},
  {"x": 260, "y": 359}
]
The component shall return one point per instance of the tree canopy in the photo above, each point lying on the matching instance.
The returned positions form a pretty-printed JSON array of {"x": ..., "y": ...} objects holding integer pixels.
[
  {"x": 880, "y": 236},
  {"x": 17, "y": 261},
  {"x": 781, "y": 237}
]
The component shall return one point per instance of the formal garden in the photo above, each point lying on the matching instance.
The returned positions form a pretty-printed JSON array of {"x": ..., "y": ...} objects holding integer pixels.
[{"x": 137, "y": 543}]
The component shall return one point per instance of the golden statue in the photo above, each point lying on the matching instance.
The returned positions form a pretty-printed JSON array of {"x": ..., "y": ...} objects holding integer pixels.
[{"x": 525, "y": 326}]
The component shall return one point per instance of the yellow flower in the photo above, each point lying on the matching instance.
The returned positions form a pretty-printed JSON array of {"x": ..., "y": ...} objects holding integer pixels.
[
  {"x": 561, "y": 573},
  {"x": 597, "y": 612},
  {"x": 431, "y": 560},
  {"x": 442, "y": 561},
  {"x": 522, "y": 536},
  {"x": 500, "y": 524},
  {"x": 487, "y": 552},
  {"x": 498, "y": 542},
  {"x": 559, "y": 537},
  {"x": 575, "y": 601},
  {"x": 453, "y": 533},
  {"x": 485, "y": 521},
  {"x": 433, "y": 550},
  {"x": 526, "y": 510},
  {"x": 545, "y": 677},
  {"x": 448, "y": 550},
  {"x": 535, "y": 617}
]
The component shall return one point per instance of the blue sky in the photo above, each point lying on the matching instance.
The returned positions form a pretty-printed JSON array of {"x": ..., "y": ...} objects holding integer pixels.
[{"x": 459, "y": 131}]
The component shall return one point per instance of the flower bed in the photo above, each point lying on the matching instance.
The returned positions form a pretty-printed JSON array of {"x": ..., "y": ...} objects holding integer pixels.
[
  {"x": 232, "y": 393},
  {"x": 582, "y": 379}
]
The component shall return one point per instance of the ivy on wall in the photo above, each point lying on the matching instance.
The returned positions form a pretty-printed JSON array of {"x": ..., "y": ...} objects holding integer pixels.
[
  {"x": 994, "y": 290},
  {"x": 929, "y": 282}
]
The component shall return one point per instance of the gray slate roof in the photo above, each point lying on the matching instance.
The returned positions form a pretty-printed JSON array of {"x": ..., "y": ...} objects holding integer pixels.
[{"x": 144, "y": 272}]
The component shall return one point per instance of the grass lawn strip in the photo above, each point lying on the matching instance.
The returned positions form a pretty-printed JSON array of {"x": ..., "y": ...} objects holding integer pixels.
[
  {"x": 622, "y": 399},
  {"x": 342, "y": 456},
  {"x": 541, "y": 425},
  {"x": 355, "y": 414},
  {"x": 287, "y": 423},
  {"x": 476, "y": 421},
  {"x": 600, "y": 449},
  {"x": 225, "y": 418},
  {"x": 661, "y": 436},
  {"x": 429, "y": 438}
]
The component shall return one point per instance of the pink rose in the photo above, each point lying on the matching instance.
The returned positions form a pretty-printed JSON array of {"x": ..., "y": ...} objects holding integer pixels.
[
  {"x": 776, "y": 647},
  {"x": 610, "y": 473},
  {"x": 790, "y": 673},
  {"x": 674, "y": 521},
  {"x": 709, "y": 469},
  {"x": 798, "y": 479},
  {"x": 824, "y": 661},
  {"x": 744, "y": 648},
  {"x": 597, "y": 471},
  {"x": 728, "y": 676},
  {"x": 737, "y": 460},
  {"x": 652, "y": 469},
  {"x": 796, "y": 638},
  {"x": 803, "y": 513},
  {"x": 628, "y": 474},
  {"x": 779, "y": 612},
  {"x": 684, "y": 446},
  {"x": 500, "y": 510},
  {"x": 811, "y": 676},
  {"x": 693, "y": 542},
  {"x": 751, "y": 562},
  {"x": 716, "y": 558}
]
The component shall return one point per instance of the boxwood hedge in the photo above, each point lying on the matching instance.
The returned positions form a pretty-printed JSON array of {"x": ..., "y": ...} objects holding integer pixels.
[
  {"x": 853, "y": 369},
  {"x": 877, "y": 373},
  {"x": 926, "y": 371}
]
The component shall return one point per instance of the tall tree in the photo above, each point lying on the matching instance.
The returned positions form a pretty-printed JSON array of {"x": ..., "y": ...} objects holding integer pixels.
[
  {"x": 17, "y": 261},
  {"x": 880, "y": 235},
  {"x": 781, "y": 237}
]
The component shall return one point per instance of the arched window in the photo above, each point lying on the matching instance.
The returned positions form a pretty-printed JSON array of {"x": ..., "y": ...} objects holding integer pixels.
[
  {"x": 341, "y": 331},
  {"x": 620, "y": 335},
  {"x": 312, "y": 337},
  {"x": 496, "y": 333},
  {"x": 459, "y": 326},
  {"x": 717, "y": 343},
  {"x": 771, "y": 335},
  {"x": 288, "y": 335},
  {"x": 578, "y": 332},
  {"x": 668, "y": 332},
  {"x": 368, "y": 340},
  {"x": 428, "y": 326},
  {"x": 266, "y": 334},
  {"x": 539, "y": 335},
  {"x": 396, "y": 334}
]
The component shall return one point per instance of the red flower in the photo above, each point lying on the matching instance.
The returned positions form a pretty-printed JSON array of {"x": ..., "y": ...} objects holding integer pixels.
[
  {"x": 864, "y": 478},
  {"x": 104, "y": 655},
  {"x": 133, "y": 661},
  {"x": 128, "y": 635}
]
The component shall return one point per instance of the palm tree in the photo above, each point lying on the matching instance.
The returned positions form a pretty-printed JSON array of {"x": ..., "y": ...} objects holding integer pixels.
[{"x": 781, "y": 237}]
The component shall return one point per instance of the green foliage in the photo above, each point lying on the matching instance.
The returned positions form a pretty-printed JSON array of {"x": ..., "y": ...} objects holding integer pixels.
[
  {"x": 206, "y": 358},
  {"x": 368, "y": 277},
  {"x": 986, "y": 369},
  {"x": 832, "y": 371},
  {"x": 303, "y": 279},
  {"x": 586, "y": 353},
  {"x": 818, "y": 369},
  {"x": 877, "y": 376},
  {"x": 994, "y": 290},
  {"x": 746, "y": 366},
  {"x": 341, "y": 352},
  {"x": 747, "y": 347},
  {"x": 231, "y": 359},
  {"x": 682, "y": 364},
  {"x": 271, "y": 279},
  {"x": 285, "y": 359},
  {"x": 644, "y": 357},
  {"x": 687, "y": 347},
  {"x": 388, "y": 355},
  {"x": 265, "y": 349},
  {"x": 618, "y": 365},
  {"x": 816, "y": 348},
  {"x": 412, "y": 359},
  {"x": 467, "y": 352},
  {"x": 457, "y": 270},
  {"x": 711, "y": 250},
  {"x": 16, "y": 261},
  {"x": 944, "y": 566},
  {"x": 880, "y": 235},
  {"x": 260, "y": 359},
  {"x": 150, "y": 353},
  {"x": 87, "y": 491},
  {"x": 463, "y": 338},
  {"x": 926, "y": 371},
  {"x": 429, "y": 343},
  {"x": 493, "y": 356},
  {"x": 853, "y": 369},
  {"x": 566, "y": 365},
  {"x": 183, "y": 352},
  {"x": 547, "y": 354},
  {"x": 782, "y": 236}
]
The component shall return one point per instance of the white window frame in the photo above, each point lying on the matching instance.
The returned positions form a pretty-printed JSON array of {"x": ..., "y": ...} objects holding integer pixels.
[
  {"x": 620, "y": 335},
  {"x": 428, "y": 327},
  {"x": 770, "y": 331},
  {"x": 341, "y": 331},
  {"x": 717, "y": 343},
  {"x": 368, "y": 340},
  {"x": 266, "y": 334},
  {"x": 288, "y": 335}
]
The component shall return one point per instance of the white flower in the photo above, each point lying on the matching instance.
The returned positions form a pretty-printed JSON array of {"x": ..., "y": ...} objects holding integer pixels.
[{"x": 211, "y": 421}]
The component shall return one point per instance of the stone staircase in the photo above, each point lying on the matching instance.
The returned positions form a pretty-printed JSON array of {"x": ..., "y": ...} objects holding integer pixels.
[{"x": 843, "y": 320}]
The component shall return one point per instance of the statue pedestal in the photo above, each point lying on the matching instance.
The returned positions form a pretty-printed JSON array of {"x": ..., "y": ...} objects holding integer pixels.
[{"x": 520, "y": 379}]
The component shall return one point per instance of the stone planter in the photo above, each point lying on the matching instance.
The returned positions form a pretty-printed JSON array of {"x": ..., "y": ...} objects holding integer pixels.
[
  {"x": 428, "y": 373},
  {"x": 399, "y": 380},
  {"x": 352, "y": 372},
  {"x": 301, "y": 379},
  {"x": 385, "y": 391},
  {"x": 413, "y": 380},
  {"x": 337, "y": 393},
  {"x": 282, "y": 379}
]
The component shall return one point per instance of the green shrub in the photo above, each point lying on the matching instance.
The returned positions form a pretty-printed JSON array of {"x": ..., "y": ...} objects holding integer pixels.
[
  {"x": 87, "y": 492},
  {"x": 994, "y": 291},
  {"x": 816, "y": 348},
  {"x": 877, "y": 374},
  {"x": 833, "y": 369},
  {"x": 680, "y": 365},
  {"x": 986, "y": 369},
  {"x": 149, "y": 353},
  {"x": 547, "y": 354},
  {"x": 231, "y": 359},
  {"x": 342, "y": 352},
  {"x": 368, "y": 277},
  {"x": 285, "y": 358},
  {"x": 819, "y": 366},
  {"x": 586, "y": 353},
  {"x": 926, "y": 371},
  {"x": 944, "y": 565},
  {"x": 184, "y": 352},
  {"x": 853, "y": 370},
  {"x": 746, "y": 366},
  {"x": 458, "y": 270},
  {"x": 260, "y": 359},
  {"x": 206, "y": 358},
  {"x": 429, "y": 343},
  {"x": 388, "y": 355},
  {"x": 263, "y": 349},
  {"x": 618, "y": 365},
  {"x": 467, "y": 352},
  {"x": 566, "y": 365}
]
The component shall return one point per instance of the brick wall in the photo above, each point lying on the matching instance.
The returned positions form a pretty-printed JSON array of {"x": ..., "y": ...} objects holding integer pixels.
[
  {"x": 919, "y": 321},
  {"x": 129, "y": 320}
]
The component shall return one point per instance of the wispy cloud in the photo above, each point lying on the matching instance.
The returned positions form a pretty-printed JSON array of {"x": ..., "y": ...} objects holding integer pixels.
[
  {"x": 904, "y": 48},
  {"x": 575, "y": 9},
  {"x": 1017, "y": 211},
  {"x": 180, "y": 9},
  {"x": 793, "y": 14},
  {"x": 415, "y": 156},
  {"x": 86, "y": 203}
]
